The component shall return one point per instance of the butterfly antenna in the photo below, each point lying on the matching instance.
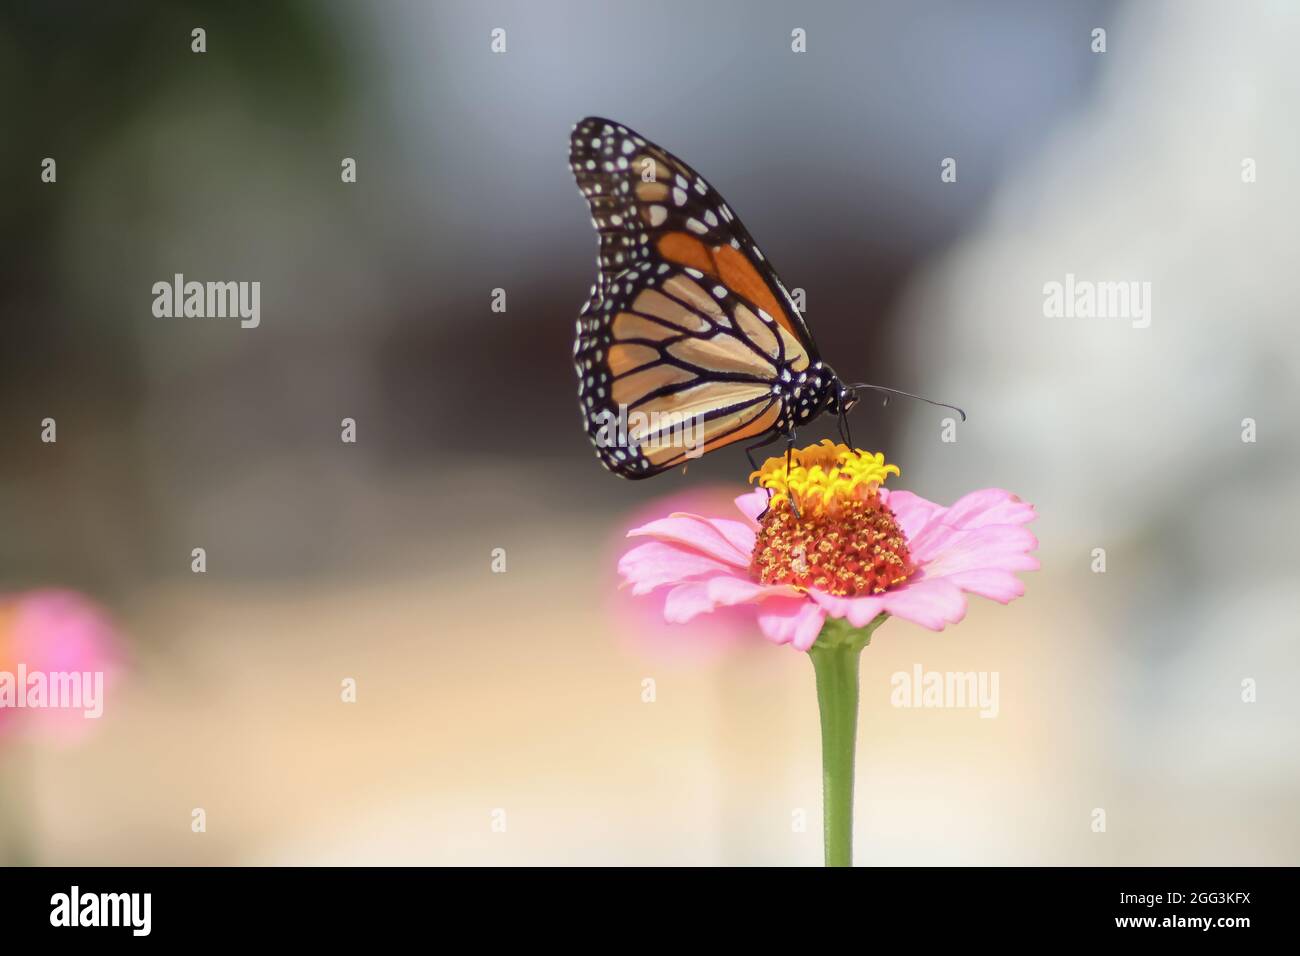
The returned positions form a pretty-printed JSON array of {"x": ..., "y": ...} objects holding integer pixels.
[{"x": 919, "y": 398}]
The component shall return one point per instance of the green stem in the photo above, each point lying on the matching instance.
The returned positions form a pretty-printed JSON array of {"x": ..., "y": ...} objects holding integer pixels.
[
  {"x": 835, "y": 658},
  {"x": 837, "y": 698}
]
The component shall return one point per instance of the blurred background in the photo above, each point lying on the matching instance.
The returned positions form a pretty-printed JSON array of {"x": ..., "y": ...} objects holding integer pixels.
[{"x": 517, "y": 697}]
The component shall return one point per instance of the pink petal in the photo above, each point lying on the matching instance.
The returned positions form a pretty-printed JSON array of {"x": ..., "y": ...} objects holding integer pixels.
[
  {"x": 656, "y": 563},
  {"x": 733, "y": 590},
  {"x": 858, "y": 611},
  {"x": 995, "y": 584},
  {"x": 932, "y": 603},
  {"x": 695, "y": 532},
  {"x": 752, "y": 505},
  {"x": 687, "y": 601},
  {"x": 979, "y": 509},
  {"x": 795, "y": 621},
  {"x": 738, "y": 533},
  {"x": 693, "y": 598},
  {"x": 989, "y": 506},
  {"x": 996, "y": 546},
  {"x": 912, "y": 511}
]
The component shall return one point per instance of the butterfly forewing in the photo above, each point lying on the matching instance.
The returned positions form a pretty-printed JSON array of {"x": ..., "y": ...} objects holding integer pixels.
[{"x": 688, "y": 341}]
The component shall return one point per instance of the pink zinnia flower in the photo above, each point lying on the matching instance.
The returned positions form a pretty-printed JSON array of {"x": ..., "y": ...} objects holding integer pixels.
[
  {"x": 849, "y": 549},
  {"x": 51, "y": 631}
]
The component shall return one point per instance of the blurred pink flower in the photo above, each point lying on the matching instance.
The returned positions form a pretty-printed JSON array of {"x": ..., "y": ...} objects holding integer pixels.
[
  {"x": 915, "y": 559},
  {"x": 53, "y": 631}
]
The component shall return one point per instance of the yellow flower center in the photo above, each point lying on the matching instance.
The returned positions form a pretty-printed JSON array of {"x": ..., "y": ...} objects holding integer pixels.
[{"x": 843, "y": 540}]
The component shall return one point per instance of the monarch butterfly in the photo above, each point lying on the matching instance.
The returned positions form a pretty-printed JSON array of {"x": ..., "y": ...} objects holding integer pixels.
[{"x": 689, "y": 341}]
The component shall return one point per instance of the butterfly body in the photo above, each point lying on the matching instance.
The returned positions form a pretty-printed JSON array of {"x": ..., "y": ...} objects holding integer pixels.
[{"x": 688, "y": 341}]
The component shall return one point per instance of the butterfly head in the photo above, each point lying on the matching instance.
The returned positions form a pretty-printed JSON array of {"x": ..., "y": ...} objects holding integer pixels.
[
  {"x": 844, "y": 398},
  {"x": 839, "y": 398}
]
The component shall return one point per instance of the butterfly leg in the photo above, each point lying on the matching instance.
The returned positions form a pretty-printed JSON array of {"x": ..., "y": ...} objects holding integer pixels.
[
  {"x": 789, "y": 453},
  {"x": 844, "y": 429}
]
